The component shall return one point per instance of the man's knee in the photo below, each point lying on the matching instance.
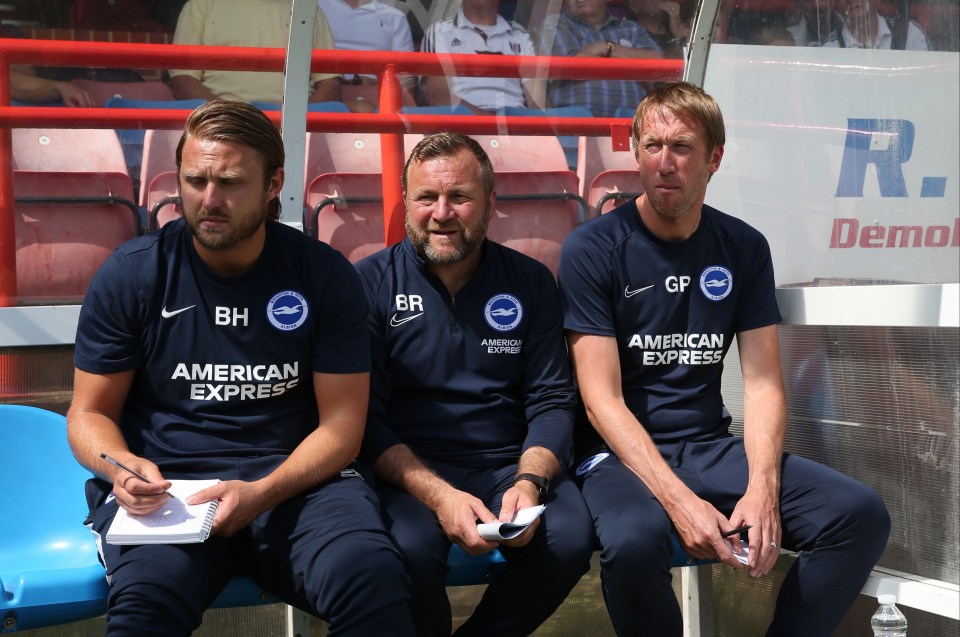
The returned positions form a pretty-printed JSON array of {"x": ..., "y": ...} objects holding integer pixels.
[
  {"x": 871, "y": 518},
  {"x": 151, "y": 608},
  {"x": 637, "y": 542}
]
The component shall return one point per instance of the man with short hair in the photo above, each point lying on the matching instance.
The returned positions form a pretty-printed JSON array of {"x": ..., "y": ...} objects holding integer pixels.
[
  {"x": 587, "y": 29},
  {"x": 654, "y": 293},
  {"x": 230, "y": 346},
  {"x": 479, "y": 28},
  {"x": 471, "y": 402}
]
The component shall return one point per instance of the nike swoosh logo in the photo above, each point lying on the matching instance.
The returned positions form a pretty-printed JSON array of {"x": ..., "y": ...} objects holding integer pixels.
[
  {"x": 627, "y": 292},
  {"x": 167, "y": 314},
  {"x": 395, "y": 322}
]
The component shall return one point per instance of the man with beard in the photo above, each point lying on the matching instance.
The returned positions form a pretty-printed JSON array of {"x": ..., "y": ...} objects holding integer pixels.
[
  {"x": 653, "y": 294},
  {"x": 230, "y": 346},
  {"x": 471, "y": 405}
]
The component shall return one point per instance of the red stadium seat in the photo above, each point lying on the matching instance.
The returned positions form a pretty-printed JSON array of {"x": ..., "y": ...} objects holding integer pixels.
[
  {"x": 67, "y": 150},
  {"x": 611, "y": 188},
  {"x": 159, "y": 156},
  {"x": 66, "y": 224},
  {"x": 346, "y": 211},
  {"x": 535, "y": 211},
  {"x": 347, "y": 153},
  {"x": 162, "y": 200},
  {"x": 597, "y": 155},
  {"x": 523, "y": 152}
]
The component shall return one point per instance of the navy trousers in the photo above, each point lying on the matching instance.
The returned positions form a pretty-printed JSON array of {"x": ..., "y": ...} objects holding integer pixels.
[
  {"x": 839, "y": 524},
  {"x": 536, "y": 578},
  {"x": 325, "y": 551}
]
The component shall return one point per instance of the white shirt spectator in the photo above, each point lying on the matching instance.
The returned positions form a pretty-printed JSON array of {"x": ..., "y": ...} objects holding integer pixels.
[
  {"x": 916, "y": 39},
  {"x": 459, "y": 35},
  {"x": 373, "y": 26}
]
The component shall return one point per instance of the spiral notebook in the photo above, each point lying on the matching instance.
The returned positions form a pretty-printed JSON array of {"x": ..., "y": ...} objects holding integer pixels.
[{"x": 175, "y": 523}]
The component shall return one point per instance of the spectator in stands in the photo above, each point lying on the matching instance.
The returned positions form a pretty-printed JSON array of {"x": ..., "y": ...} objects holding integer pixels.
[
  {"x": 864, "y": 28},
  {"x": 471, "y": 404},
  {"x": 229, "y": 287},
  {"x": 817, "y": 22},
  {"x": 653, "y": 294},
  {"x": 25, "y": 86},
  {"x": 479, "y": 28},
  {"x": 588, "y": 29},
  {"x": 665, "y": 21},
  {"x": 262, "y": 23},
  {"x": 369, "y": 25}
]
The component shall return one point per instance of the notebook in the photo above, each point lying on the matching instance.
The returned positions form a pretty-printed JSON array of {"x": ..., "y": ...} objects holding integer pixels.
[{"x": 176, "y": 522}]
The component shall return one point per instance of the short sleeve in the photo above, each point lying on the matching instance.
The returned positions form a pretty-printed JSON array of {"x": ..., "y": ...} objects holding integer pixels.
[
  {"x": 107, "y": 341},
  {"x": 585, "y": 281},
  {"x": 759, "y": 305},
  {"x": 565, "y": 41},
  {"x": 342, "y": 342},
  {"x": 402, "y": 39}
]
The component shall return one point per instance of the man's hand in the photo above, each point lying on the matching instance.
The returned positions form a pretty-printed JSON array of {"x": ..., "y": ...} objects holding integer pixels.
[
  {"x": 240, "y": 503},
  {"x": 522, "y": 495},
  {"x": 458, "y": 512},
  {"x": 595, "y": 50},
  {"x": 135, "y": 495},
  {"x": 763, "y": 514},
  {"x": 74, "y": 95},
  {"x": 700, "y": 525}
]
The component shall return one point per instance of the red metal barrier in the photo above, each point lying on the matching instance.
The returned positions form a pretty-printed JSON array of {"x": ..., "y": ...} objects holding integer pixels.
[{"x": 384, "y": 64}]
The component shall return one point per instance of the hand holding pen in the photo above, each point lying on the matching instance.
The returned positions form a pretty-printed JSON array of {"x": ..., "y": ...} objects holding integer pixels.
[{"x": 136, "y": 474}]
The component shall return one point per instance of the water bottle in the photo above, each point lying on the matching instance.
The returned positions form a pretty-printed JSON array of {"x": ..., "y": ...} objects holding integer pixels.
[{"x": 888, "y": 621}]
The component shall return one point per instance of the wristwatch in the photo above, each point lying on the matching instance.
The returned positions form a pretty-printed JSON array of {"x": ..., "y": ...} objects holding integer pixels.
[{"x": 540, "y": 481}]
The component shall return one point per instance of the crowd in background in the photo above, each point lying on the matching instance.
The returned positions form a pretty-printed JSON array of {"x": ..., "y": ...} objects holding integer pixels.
[{"x": 640, "y": 28}]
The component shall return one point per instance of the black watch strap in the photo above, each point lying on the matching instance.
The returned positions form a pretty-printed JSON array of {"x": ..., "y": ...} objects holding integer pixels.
[{"x": 540, "y": 481}]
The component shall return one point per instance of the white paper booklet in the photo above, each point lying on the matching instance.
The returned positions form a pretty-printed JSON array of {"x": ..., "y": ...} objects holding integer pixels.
[
  {"x": 175, "y": 523},
  {"x": 497, "y": 531}
]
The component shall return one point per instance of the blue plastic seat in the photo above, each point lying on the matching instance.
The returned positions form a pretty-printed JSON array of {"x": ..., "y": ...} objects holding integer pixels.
[
  {"x": 49, "y": 569},
  {"x": 127, "y": 102},
  {"x": 445, "y": 109},
  {"x": 312, "y": 107}
]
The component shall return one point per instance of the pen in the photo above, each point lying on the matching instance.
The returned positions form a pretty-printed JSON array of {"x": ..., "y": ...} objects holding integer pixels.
[
  {"x": 736, "y": 531},
  {"x": 119, "y": 464}
]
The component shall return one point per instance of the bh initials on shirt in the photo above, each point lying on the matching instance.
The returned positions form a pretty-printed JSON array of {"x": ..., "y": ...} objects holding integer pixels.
[{"x": 232, "y": 316}]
